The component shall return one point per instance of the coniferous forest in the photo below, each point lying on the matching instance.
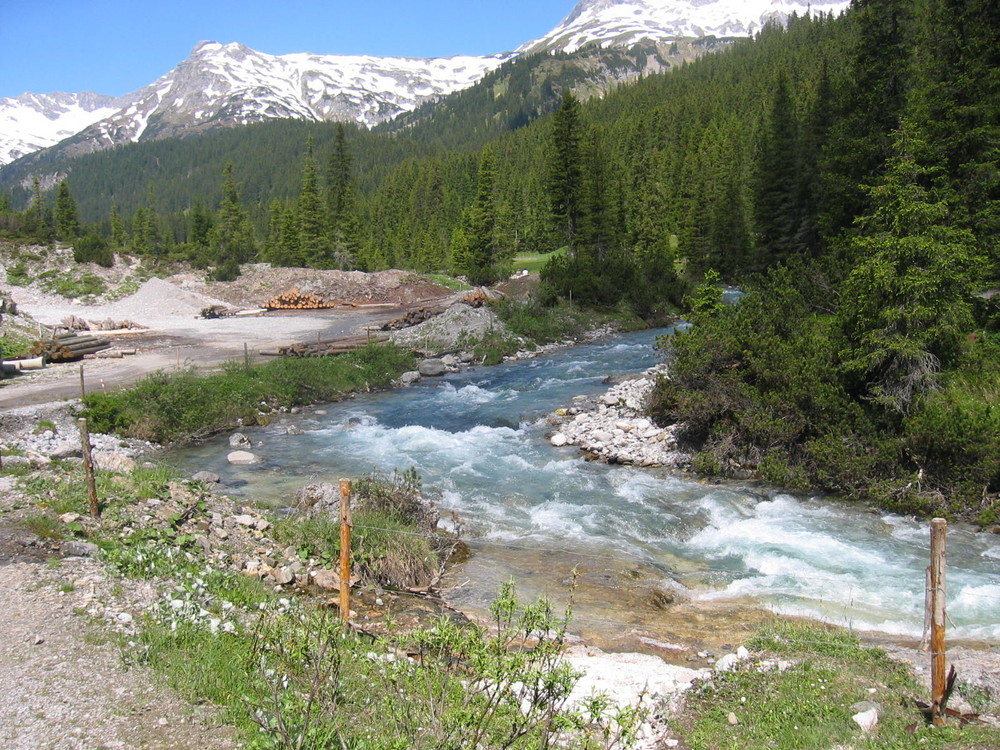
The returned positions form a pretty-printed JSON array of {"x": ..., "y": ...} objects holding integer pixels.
[{"x": 844, "y": 172}]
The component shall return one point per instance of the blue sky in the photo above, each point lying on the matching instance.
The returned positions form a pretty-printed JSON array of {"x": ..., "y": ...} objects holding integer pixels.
[{"x": 117, "y": 46}]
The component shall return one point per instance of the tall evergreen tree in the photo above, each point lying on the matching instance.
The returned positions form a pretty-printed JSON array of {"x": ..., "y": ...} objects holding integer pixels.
[
  {"x": 481, "y": 258},
  {"x": 67, "y": 221},
  {"x": 313, "y": 246},
  {"x": 869, "y": 105},
  {"x": 341, "y": 207},
  {"x": 777, "y": 206},
  {"x": 152, "y": 237},
  {"x": 201, "y": 226},
  {"x": 907, "y": 306},
  {"x": 119, "y": 235},
  {"x": 565, "y": 173},
  {"x": 956, "y": 104},
  {"x": 232, "y": 234}
]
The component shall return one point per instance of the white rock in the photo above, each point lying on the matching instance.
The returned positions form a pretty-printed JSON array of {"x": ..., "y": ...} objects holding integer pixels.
[
  {"x": 867, "y": 720},
  {"x": 727, "y": 663},
  {"x": 558, "y": 440},
  {"x": 114, "y": 462},
  {"x": 243, "y": 458}
]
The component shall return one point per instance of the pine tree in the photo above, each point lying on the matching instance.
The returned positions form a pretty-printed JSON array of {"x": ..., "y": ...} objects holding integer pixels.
[
  {"x": 565, "y": 173},
  {"x": 480, "y": 257},
  {"x": 67, "y": 221},
  {"x": 777, "y": 206},
  {"x": 955, "y": 103},
  {"x": 34, "y": 218},
  {"x": 119, "y": 236},
  {"x": 201, "y": 226},
  {"x": 869, "y": 108},
  {"x": 341, "y": 208},
  {"x": 312, "y": 243},
  {"x": 907, "y": 306},
  {"x": 149, "y": 226},
  {"x": 232, "y": 235}
]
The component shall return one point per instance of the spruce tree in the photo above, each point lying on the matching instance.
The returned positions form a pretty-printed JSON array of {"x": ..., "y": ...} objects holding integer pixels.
[
  {"x": 480, "y": 257},
  {"x": 341, "y": 208},
  {"x": 67, "y": 222},
  {"x": 907, "y": 306},
  {"x": 565, "y": 172},
  {"x": 119, "y": 236},
  {"x": 232, "y": 235},
  {"x": 313, "y": 248},
  {"x": 955, "y": 103},
  {"x": 777, "y": 207}
]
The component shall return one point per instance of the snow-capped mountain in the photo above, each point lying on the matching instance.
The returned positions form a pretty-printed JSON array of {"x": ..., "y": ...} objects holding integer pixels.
[
  {"x": 626, "y": 22},
  {"x": 225, "y": 85},
  {"x": 35, "y": 121}
]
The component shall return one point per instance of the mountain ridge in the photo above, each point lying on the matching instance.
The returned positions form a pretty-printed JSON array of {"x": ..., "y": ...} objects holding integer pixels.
[{"x": 227, "y": 85}]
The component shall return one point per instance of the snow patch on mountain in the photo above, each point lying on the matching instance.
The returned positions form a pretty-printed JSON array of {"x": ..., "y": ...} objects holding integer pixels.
[
  {"x": 31, "y": 122},
  {"x": 627, "y": 22}
]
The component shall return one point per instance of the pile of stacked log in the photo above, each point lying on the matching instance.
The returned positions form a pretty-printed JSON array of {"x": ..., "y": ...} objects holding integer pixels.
[
  {"x": 412, "y": 318},
  {"x": 68, "y": 347},
  {"x": 329, "y": 347},
  {"x": 296, "y": 300},
  {"x": 475, "y": 298}
]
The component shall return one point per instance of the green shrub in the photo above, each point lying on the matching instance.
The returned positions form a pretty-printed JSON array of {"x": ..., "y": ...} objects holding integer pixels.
[{"x": 172, "y": 406}]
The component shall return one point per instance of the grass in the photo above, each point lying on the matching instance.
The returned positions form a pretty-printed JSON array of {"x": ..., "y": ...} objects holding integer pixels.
[
  {"x": 165, "y": 407},
  {"x": 447, "y": 281},
  {"x": 809, "y": 705},
  {"x": 393, "y": 543},
  {"x": 534, "y": 262}
]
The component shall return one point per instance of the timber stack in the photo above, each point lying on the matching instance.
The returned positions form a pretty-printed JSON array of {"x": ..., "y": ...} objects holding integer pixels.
[
  {"x": 476, "y": 298},
  {"x": 328, "y": 347},
  {"x": 412, "y": 318},
  {"x": 67, "y": 347},
  {"x": 296, "y": 300}
]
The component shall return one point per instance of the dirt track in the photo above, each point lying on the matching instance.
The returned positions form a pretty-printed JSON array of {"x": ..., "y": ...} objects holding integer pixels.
[
  {"x": 177, "y": 337},
  {"x": 204, "y": 344}
]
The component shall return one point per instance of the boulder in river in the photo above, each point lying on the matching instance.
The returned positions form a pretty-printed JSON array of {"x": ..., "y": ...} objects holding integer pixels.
[
  {"x": 239, "y": 440},
  {"x": 432, "y": 368},
  {"x": 243, "y": 458}
]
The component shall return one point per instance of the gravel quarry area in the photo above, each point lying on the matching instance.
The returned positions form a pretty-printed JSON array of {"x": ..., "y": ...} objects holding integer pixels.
[{"x": 174, "y": 334}]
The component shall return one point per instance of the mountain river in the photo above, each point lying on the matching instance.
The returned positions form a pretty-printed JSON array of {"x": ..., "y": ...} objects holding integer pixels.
[{"x": 656, "y": 557}]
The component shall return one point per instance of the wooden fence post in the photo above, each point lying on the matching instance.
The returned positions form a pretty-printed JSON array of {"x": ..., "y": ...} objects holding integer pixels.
[
  {"x": 939, "y": 533},
  {"x": 88, "y": 467},
  {"x": 345, "y": 550},
  {"x": 83, "y": 387}
]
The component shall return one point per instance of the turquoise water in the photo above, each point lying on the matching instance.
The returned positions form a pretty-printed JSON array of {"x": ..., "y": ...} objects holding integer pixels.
[{"x": 478, "y": 439}]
